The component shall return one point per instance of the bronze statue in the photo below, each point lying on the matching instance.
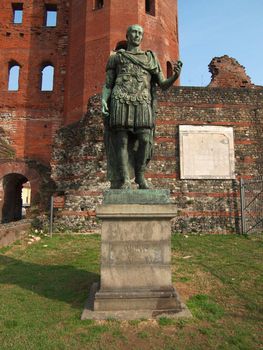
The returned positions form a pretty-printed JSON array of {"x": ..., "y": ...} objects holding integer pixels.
[{"x": 128, "y": 106}]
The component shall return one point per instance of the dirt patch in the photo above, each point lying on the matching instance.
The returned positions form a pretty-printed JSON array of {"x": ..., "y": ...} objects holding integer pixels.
[{"x": 200, "y": 282}]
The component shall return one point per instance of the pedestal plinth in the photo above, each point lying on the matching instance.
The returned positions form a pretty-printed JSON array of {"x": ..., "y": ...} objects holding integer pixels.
[{"x": 135, "y": 257}]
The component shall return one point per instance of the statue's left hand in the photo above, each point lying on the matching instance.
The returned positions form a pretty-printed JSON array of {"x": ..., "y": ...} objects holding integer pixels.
[{"x": 177, "y": 67}]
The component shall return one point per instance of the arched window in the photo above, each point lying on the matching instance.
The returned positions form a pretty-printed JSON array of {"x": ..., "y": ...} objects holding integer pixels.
[
  {"x": 13, "y": 76},
  {"x": 47, "y": 78},
  {"x": 150, "y": 7},
  {"x": 121, "y": 45},
  {"x": 98, "y": 4},
  {"x": 169, "y": 69}
]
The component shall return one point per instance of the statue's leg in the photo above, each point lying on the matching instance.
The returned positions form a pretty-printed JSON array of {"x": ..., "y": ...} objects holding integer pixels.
[
  {"x": 122, "y": 158},
  {"x": 141, "y": 158}
]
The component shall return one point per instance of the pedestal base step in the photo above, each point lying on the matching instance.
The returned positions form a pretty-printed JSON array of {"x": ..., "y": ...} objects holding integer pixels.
[{"x": 133, "y": 305}]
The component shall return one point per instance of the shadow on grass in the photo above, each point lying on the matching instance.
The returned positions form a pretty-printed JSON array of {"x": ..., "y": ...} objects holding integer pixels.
[{"x": 61, "y": 282}]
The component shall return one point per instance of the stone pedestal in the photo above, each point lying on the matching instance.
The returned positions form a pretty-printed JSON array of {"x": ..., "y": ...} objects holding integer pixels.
[{"x": 135, "y": 257}]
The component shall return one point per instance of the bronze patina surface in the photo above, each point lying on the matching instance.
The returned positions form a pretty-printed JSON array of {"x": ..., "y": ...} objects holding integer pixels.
[{"x": 128, "y": 106}]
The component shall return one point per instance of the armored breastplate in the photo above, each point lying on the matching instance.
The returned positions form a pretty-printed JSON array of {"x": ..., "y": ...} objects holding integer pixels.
[{"x": 133, "y": 83}]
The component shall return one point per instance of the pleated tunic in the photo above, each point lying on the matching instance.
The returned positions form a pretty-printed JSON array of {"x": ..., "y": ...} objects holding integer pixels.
[{"x": 131, "y": 96}]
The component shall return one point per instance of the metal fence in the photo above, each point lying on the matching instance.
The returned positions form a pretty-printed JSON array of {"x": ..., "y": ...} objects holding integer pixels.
[{"x": 252, "y": 205}]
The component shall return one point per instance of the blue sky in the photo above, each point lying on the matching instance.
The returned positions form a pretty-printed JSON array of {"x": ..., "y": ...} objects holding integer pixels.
[{"x": 210, "y": 28}]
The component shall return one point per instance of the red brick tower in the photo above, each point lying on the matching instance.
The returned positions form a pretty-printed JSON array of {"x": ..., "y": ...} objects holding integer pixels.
[
  {"x": 96, "y": 26},
  {"x": 29, "y": 115},
  {"x": 33, "y": 36},
  {"x": 74, "y": 39}
]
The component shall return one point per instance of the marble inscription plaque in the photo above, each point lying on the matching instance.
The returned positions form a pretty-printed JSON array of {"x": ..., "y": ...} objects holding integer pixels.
[
  {"x": 132, "y": 253},
  {"x": 206, "y": 152}
]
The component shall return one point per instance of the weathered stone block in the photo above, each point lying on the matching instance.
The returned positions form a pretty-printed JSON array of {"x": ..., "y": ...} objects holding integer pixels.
[
  {"x": 206, "y": 152},
  {"x": 135, "y": 257}
]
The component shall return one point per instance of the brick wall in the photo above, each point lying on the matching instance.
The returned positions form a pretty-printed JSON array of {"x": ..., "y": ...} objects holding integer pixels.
[
  {"x": 30, "y": 117},
  {"x": 78, "y": 48},
  {"x": 227, "y": 72},
  {"x": 93, "y": 34},
  {"x": 79, "y": 167}
]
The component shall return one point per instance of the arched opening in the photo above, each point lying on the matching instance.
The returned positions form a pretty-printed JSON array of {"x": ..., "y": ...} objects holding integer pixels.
[
  {"x": 13, "y": 76},
  {"x": 12, "y": 209},
  {"x": 47, "y": 78},
  {"x": 98, "y": 4},
  {"x": 150, "y": 7},
  {"x": 121, "y": 45},
  {"x": 169, "y": 69}
]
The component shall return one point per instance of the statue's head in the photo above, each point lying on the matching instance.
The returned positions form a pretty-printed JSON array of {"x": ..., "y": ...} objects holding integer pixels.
[{"x": 134, "y": 34}]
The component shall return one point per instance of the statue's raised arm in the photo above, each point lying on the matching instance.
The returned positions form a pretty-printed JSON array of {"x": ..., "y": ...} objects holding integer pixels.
[{"x": 166, "y": 83}]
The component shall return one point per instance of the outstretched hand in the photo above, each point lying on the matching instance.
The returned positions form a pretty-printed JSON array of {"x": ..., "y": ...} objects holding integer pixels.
[
  {"x": 177, "y": 66},
  {"x": 167, "y": 83}
]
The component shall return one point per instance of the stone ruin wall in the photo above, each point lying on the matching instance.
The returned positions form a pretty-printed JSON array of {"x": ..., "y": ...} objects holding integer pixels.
[
  {"x": 227, "y": 72},
  {"x": 208, "y": 206}
]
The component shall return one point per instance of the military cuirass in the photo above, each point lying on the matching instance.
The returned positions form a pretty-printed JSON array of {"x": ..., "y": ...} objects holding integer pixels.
[{"x": 133, "y": 83}]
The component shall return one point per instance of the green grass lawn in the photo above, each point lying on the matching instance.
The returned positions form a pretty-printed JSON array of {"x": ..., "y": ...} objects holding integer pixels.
[{"x": 43, "y": 288}]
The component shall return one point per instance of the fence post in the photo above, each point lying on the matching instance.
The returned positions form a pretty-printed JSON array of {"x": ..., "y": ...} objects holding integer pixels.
[
  {"x": 51, "y": 216},
  {"x": 242, "y": 201}
]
